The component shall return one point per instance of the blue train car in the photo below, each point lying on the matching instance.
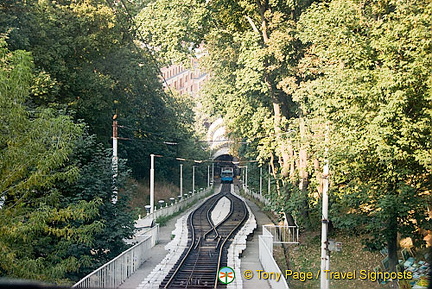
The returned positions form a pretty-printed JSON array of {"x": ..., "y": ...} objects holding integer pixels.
[{"x": 227, "y": 175}]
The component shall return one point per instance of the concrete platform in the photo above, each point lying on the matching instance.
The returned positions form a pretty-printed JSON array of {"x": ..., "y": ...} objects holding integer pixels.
[
  {"x": 249, "y": 260},
  {"x": 221, "y": 210},
  {"x": 158, "y": 253}
]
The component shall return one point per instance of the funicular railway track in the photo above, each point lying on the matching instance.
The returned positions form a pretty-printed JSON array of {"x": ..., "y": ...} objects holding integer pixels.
[{"x": 208, "y": 244}]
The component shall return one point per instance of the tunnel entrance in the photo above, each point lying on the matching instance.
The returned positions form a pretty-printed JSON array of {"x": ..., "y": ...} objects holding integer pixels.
[{"x": 224, "y": 161}]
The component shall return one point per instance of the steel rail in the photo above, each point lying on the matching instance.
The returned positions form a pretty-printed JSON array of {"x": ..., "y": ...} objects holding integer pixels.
[
  {"x": 245, "y": 215},
  {"x": 209, "y": 219},
  {"x": 193, "y": 243},
  {"x": 193, "y": 260},
  {"x": 221, "y": 222}
]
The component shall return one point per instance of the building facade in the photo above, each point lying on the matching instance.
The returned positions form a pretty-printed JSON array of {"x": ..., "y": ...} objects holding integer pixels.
[{"x": 184, "y": 80}]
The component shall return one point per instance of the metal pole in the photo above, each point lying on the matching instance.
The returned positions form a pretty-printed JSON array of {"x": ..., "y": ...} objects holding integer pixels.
[
  {"x": 325, "y": 256},
  {"x": 212, "y": 173},
  {"x": 246, "y": 177},
  {"x": 243, "y": 176},
  {"x": 152, "y": 183},
  {"x": 208, "y": 176},
  {"x": 268, "y": 181},
  {"x": 260, "y": 181},
  {"x": 193, "y": 179},
  {"x": 115, "y": 161},
  {"x": 181, "y": 181}
]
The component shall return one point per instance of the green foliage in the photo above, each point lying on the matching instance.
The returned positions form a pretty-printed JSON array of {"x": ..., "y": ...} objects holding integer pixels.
[
  {"x": 282, "y": 71},
  {"x": 88, "y": 65},
  {"x": 176, "y": 28},
  {"x": 374, "y": 90},
  {"x": 34, "y": 144},
  {"x": 84, "y": 68},
  {"x": 36, "y": 232},
  {"x": 95, "y": 183}
]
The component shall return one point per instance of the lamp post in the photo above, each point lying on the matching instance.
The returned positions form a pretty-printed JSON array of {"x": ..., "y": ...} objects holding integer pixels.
[
  {"x": 268, "y": 181},
  {"x": 147, "y": 208},
  {"x": 181, "y": 177},
  {"x": 115, "y": 159},
  {"x": 260, "y": 181},
  {"x": 193, "y": 179},
  {"x": 152, "y": 183}
]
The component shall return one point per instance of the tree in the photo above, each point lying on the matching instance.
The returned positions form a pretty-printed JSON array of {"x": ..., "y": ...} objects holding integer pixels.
[
  {"x": 252, "y": 59},
  {"x": 372, "y": 72},
  {"x": 90, "y": 66},
  {"x": 95, "y": 184},
  {"x": 82, "y": 67},
  {"x": 35, "y": 145}
]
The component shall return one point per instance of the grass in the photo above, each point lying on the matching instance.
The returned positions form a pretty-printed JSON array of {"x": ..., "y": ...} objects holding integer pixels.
[
  {"x": 141, "y": 195},
  {"x": 163, "y": 220},
  {"x": 306, "y": 257}
]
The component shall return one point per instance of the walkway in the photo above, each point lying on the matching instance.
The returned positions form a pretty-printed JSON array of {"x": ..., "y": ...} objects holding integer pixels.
[{"x": 250, "y": 259}]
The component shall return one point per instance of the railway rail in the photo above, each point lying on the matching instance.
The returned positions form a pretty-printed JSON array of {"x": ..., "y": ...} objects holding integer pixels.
[{"x": 208, "y": 244}]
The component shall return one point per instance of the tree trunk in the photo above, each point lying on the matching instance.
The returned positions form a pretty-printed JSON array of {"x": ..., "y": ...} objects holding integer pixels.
[
  {"x": 392, "y": 243},
  {"x": 303, "y": 175},
  {"x": 285, "y": 150}
]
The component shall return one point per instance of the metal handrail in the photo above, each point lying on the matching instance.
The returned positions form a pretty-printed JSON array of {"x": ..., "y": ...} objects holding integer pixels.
[
  {"x": 293, "y": 232},
  {"x": 116, "y": 271}
]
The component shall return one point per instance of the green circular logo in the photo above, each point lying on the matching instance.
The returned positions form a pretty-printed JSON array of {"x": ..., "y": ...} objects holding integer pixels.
[{"x": 226, "y": 275}]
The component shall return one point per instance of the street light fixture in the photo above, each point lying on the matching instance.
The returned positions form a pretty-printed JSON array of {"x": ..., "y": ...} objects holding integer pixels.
[
  {"x": 152, "y": 156},
  {"x": 147, "y": 207},
  {"x": 181, "y": 175}
]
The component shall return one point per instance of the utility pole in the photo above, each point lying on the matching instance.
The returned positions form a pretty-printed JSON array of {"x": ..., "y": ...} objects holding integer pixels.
[
  {"x": 152, "y": 183},
  {"x": 260, "y": 182},
  {"x": 208, "y": 176},
  {"x": 325, "y": 255},
  {"x": 268, "y": 181},
  {"x": 181, "y": 181},
  {"x": 243, "y": 168},
  {"x": 212, "y": 174},
  {"x": 193, "y": 179},
  {"x": 246, "y": 177},
  {"x": 115, "y": 159}
]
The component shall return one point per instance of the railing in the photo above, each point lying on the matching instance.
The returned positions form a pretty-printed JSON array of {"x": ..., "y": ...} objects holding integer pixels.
[
  {"x": 282, "y": 234},
  {"x": 116, "y": 271},
  {"x": 268, "y": 262},
  {"x": 173, "y": 208},
  {"x": 258, "y": 196}
]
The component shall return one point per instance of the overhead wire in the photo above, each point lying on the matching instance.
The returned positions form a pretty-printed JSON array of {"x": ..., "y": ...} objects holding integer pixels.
[{"x": 154, "y": 62}]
